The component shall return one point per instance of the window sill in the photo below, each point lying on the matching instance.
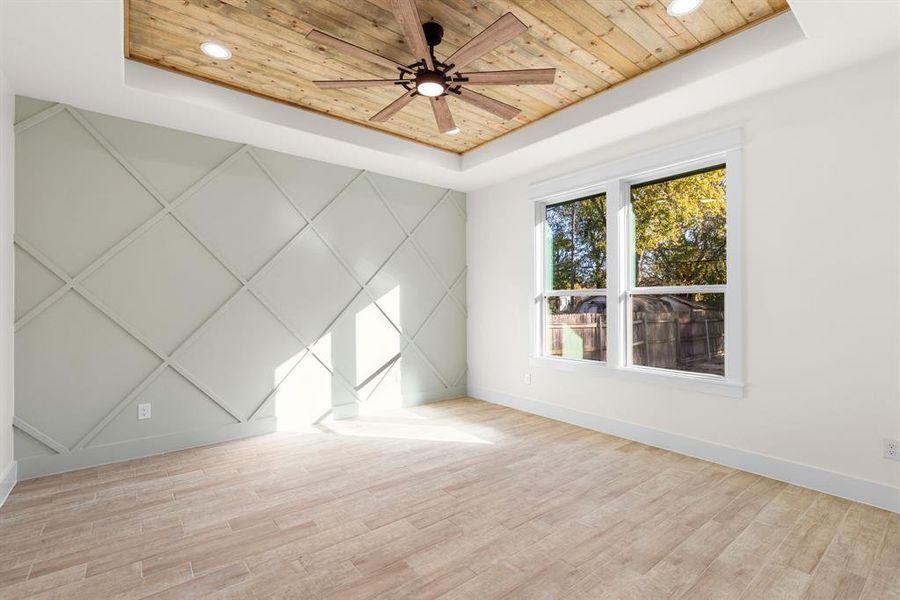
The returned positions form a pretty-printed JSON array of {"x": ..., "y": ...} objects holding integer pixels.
[{"x": 704, "y": 384}]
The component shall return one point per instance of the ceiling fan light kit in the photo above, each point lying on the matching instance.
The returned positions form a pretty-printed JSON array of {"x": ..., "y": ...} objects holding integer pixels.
[
  {"x": 434, "y": 79},
  {"x": 431, "y": 83}
]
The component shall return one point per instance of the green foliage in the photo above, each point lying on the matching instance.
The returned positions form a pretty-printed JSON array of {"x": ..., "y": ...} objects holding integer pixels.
[
  {"x": 679, "y": 230},
  {"x": 679, "y": 234},
  {"x": 577, "y": 243}
]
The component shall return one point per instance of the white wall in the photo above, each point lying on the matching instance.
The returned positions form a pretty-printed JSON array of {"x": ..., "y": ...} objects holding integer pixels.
[
  {"x": 235, "y": 289},
  {"x": 822, "y": 241},
  {"x": 7, "y": 157}
]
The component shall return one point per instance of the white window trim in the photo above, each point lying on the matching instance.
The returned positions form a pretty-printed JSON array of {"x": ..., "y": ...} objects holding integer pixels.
[{"x": 615, "y": 180}]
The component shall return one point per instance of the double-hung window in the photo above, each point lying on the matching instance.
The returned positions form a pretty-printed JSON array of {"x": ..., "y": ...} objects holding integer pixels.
[
  {"x": 677, "y": 280},
  {"x": 575, "y": 306},
  {"x": 637, "y": 268}
]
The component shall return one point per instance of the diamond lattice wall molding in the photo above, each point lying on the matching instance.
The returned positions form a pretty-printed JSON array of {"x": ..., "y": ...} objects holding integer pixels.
[
  {"x": 81, "y": 200},
  {"x": 406, "y": 289},
  {"x": 170, "y": 160},
  {"x": 242, "y": 215},
  {"x": 311, "y": 185},
  {"x": 165, "y": 283},
  {"x": 361, "y": 226},
  {"x": 410, "y": 201},
  {"x": 61, "y": 388},
  {"x": 240, "y": 354},
  {"x": 442, "y": 340},
  {"x": 298, "y": 280},
  {"x": 442, "y": 236},
  {"x": 234, "y": 288},
  {"x": 34, "y": 282}
]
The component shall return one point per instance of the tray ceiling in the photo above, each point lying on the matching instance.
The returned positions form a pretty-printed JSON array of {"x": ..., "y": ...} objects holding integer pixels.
[{"x": 593, "y": 44}]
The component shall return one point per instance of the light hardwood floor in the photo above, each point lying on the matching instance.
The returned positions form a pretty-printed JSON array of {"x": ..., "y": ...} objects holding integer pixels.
[{"x": 458, "y": 499}]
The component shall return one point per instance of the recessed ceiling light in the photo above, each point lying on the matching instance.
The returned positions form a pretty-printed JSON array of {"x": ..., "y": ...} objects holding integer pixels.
[
  {"x": 680, "y": 8},
  {"x": 215, "y": 50},
  {"x": 453, "y": 131}
]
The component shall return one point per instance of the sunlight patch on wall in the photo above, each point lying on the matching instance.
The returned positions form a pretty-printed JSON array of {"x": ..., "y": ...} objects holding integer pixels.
[
  {"x": 377, "y": 341},
  {"x": 305, "y": 396},
  {"x": 384, "y": 391}
]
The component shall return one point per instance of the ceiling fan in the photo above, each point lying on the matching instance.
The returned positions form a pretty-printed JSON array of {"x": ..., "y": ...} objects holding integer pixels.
[{"x": 436, "y": 79}]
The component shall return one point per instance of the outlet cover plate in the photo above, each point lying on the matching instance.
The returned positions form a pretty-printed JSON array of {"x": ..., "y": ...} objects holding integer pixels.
[
  {"x": 891, "y": 449},
  {"x": 144, "y": 411}
]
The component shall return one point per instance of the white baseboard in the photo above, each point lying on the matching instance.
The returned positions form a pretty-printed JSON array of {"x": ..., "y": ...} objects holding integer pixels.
[
  {"x": 348, "y": 411},
  {"x": 836, "y": 484},
  {"x": 95, "y": 456},
  {"x": 429, "y": 397},
  {"x": 8, "y": 481}
]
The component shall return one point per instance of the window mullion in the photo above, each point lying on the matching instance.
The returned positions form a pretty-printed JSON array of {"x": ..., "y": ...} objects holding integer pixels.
[
  {"x": 614, "y": 256},
  {"x": 734, "y": 277},
  {"x": 540, "y": 275},
  {"x": 678, "y": 289},
  {"x": 576, "y": 292}
]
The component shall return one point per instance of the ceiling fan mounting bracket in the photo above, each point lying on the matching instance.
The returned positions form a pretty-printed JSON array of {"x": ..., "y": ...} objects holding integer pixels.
[{"x": 434, "y": 33}]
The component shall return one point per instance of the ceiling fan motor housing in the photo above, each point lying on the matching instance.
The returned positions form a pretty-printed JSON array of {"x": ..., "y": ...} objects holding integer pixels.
[{"x": 434, "y": 33}]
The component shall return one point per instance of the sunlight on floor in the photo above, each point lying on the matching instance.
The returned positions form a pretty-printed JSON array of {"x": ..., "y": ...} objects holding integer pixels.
[{"x": 401, "y": 429}]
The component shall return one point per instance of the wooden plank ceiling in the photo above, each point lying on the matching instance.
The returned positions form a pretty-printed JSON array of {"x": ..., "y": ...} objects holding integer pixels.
[{"x": 593, "y": 44}]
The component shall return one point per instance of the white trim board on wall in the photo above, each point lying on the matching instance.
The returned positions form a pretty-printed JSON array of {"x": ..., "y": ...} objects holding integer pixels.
[
  {"x": 836, "y": 484},
  {"x": 8, "y": 481}
]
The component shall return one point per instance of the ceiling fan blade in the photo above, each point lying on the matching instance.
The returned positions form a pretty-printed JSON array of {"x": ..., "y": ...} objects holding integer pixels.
[
  {"x": 318, "y": 37},
  {"x": 495, "y": 107},
  {"x": 355, "y": 83},
  {"x": 497, "y": 33},
  {"x": 517, "y": 77},
  {"x": 408, "y": 15},
  {"x": 442, "y": 115},
  {"x": 394, "y": 107}
]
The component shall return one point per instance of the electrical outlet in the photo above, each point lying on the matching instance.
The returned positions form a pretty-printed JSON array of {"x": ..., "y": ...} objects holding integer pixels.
[
  {"x": 527, "y": 378},
  {"x": 891, "y": 449},
  {"x": 144, "y": 411}
]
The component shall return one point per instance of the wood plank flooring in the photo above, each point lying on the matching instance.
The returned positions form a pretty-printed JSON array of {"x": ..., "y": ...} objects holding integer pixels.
[{"x": 458, "y": 499}]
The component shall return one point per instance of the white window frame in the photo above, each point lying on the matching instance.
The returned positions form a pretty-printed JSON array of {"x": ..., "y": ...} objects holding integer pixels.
[{"x": 615, "y": 179}]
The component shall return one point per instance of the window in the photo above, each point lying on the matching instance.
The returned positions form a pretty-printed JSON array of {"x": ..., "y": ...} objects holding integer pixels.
[
  {"x": 575, "y": 304},
  {"x": 637, "y": 267},
  {"x": 678, "y": 279}
]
